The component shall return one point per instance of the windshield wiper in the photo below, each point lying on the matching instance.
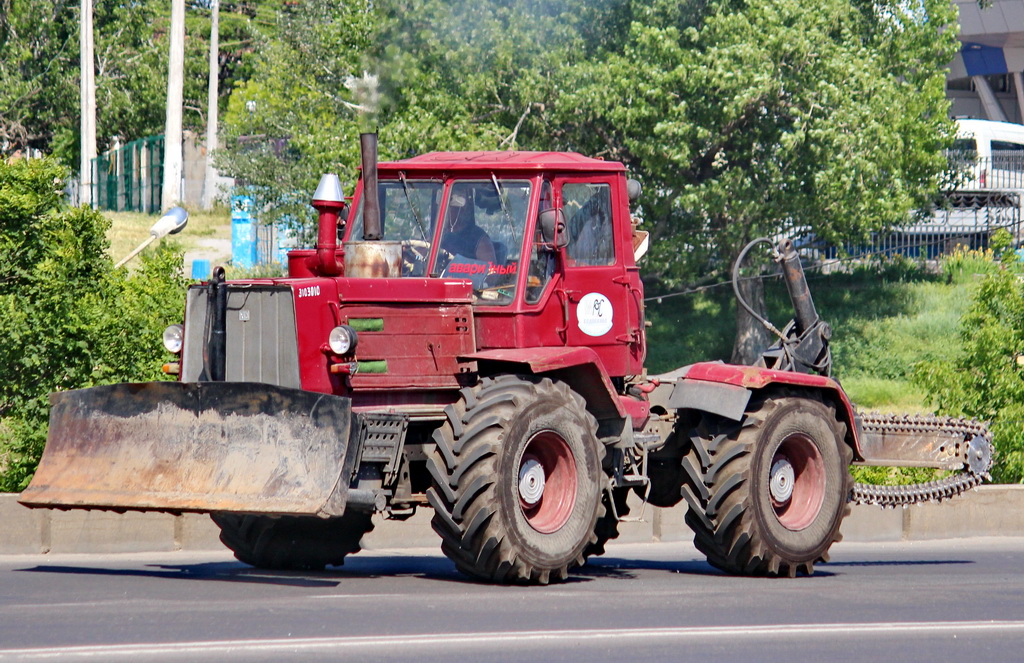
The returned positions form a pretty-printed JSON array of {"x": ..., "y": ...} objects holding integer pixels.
[
  {"x": 504, "y": 209},
  {"x": 412, "y": 206}
]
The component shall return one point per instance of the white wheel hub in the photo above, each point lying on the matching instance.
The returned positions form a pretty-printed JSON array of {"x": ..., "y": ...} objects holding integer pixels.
[
  {"x": 780, "y": 483},
  {"x": 531, "y": 481}
]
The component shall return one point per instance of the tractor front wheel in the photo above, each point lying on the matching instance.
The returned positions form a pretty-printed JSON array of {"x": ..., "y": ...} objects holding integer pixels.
[
  {"x": 517, "y": 490},
  {"x": 304, "y": 543}
]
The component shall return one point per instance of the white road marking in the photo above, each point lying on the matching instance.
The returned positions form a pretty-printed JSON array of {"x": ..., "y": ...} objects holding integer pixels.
[{"x": 462, "y": 640}]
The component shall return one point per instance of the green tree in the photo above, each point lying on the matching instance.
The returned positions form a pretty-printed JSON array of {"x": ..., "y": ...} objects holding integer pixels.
[
  {"x": 39, "y": 69},
  {"x": 751, "y": 118},
  {"x": 743, "y": 118},
  {"x": 453, "y": 76},
  {"x": 69, "y": 320},
  {"x": 483, "y": 75},
  {"x": 986, "y": 381},
  {"x": 752, "y": 115},
  {"x": 288, "y": 123}
]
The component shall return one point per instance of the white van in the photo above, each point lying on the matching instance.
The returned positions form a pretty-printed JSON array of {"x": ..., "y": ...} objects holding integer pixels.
[{"x": 992, "y": 153}]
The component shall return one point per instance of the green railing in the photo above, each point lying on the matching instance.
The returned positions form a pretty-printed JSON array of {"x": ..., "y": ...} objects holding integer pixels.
[{"x": 130, "y": 178}]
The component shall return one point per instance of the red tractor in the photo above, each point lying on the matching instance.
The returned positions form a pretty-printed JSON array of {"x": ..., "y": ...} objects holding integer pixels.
[{"x": 475, "y": 343}]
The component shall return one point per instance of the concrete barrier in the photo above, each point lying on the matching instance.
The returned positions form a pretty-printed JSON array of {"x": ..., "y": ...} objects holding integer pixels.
[{"x": 986, "y": 511}]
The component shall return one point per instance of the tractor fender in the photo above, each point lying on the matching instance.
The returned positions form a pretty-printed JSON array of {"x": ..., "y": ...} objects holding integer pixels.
[
  {"x": 580, "y": 368},
  {"x": 725, "y": 390}
]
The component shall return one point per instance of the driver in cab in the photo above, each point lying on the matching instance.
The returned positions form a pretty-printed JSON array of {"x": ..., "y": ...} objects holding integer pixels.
[{"x": 462, "y": 237}]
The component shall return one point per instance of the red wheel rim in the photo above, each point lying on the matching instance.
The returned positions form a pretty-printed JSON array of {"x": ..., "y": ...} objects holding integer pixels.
[
  {"x": 547, "y": 482},
  {"x": 796, "y": 479}
]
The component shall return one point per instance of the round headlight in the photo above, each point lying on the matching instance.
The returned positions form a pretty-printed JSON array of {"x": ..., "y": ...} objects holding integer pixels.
[
  {"x": 173, "y": 337},
  {"x": 342, "y": 340}
]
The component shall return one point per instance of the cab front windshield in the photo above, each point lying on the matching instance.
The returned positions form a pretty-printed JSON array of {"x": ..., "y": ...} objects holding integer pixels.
[{"x": 471, "y": 229}]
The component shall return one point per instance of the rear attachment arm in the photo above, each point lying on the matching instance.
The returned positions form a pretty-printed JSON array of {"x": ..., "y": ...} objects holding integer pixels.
[
  {"x": 803, "y": 345},
  {"x": 958, "y": 445}
]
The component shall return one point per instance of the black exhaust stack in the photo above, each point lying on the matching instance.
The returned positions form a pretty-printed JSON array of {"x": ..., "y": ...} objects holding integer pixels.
[
  {"x": 371, "y": 201},
  {"x": 216, "y": 351}
]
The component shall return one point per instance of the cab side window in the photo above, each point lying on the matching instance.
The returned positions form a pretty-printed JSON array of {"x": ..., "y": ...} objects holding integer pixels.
[
  {"x": 542, "y": 262},
  {"x": 588, "y": 213}
]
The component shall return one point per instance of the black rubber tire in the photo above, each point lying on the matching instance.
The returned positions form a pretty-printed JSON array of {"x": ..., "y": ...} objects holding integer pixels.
[
  {"x": 666, "y": 482},
  {"x": 728, "y": 468},
  {"x": 607, "y": 527},
  {"x": 483, "y": 523},
  {"x": 302, "y": 543}
]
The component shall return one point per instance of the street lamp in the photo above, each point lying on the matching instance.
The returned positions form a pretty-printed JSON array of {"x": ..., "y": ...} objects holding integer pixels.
[{"x": 171, "y": 223}]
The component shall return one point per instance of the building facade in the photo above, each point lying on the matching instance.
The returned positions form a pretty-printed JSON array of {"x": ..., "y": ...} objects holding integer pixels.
[{"x": 985, "y": 79}]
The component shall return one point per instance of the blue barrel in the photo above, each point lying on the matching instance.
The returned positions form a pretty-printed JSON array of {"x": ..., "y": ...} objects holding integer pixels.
[
  {"x": 200, "y": 269},
  {"x": 243, "y": 233}
]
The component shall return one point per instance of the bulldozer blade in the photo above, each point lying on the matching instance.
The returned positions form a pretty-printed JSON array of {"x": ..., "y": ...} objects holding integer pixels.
[{"x": 205, "y": 446}]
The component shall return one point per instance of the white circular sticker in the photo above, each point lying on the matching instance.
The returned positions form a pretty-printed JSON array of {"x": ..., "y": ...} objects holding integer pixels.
[{"x": 594, "y": 314}]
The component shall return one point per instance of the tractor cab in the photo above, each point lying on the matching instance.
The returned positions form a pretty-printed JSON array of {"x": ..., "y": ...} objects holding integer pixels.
[
  {"x": 464, "y": 229},
  {"x": 545, "y": 239}
]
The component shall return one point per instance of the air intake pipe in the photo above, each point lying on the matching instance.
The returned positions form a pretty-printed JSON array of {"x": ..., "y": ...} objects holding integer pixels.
[{"x": 329, "y": 202}]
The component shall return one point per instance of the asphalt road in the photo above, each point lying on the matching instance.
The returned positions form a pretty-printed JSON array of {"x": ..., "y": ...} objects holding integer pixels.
[{"x": 923, "y": 601}]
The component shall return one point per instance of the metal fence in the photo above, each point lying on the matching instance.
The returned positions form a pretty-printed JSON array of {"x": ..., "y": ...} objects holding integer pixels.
[
  {"x": 963, "y": 219},
  {"x": 1003, "y": 170},
  {"x": 130, "y": 178},
  {"x": 966, "y": 218}
]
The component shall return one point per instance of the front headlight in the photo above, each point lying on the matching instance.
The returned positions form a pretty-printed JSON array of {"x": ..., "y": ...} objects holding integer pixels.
[
  {"x": 173, "y": 338},
  {"x": 342, "y": 340}
]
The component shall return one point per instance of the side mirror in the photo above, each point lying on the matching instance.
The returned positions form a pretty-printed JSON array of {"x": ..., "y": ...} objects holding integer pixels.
[
  {"x": 552, "y": 229},
  {"x": 633, "y": 190}
]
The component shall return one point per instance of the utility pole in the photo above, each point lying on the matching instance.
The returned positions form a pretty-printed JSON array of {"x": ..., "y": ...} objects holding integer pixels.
[
  {"x": 210, "y": 180},
  {"x": 87, "y": 125},
  {"x": 172, "y": 131}
]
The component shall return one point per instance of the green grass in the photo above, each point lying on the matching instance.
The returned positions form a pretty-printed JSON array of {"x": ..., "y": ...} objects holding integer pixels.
[
  {"x": 882, "y": 395},
  {"x": 129, "y": 229},
  {"x": 887, "y": 345}
]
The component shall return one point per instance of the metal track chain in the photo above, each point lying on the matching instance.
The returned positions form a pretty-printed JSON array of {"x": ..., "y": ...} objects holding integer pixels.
[{"x": 951, "y": 486}]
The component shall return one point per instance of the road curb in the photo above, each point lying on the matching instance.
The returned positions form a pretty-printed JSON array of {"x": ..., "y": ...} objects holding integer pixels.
[{"x": 986, "y": 511}]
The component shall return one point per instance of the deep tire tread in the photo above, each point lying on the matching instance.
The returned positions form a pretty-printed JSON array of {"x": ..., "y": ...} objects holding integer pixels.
[
  {"x": 722, "y": 513},
  {"x": 304, "y": 543},
  {"x": 464, "y": 497}
]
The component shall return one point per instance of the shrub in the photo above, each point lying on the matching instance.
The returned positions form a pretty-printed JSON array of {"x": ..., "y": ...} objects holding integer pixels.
[
  {"x": 1001, "y": 242},
  {"x": 963, "y": 265},
  {"x": 986, "y": 380},
  {"x": 69, "y": 319}
]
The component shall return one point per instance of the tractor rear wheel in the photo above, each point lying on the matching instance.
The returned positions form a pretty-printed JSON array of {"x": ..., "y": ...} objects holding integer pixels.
[
  {"x": 517, "y": 481},
  {"x": 767, "y": 495},
  {"x": 304, "y": 543}
]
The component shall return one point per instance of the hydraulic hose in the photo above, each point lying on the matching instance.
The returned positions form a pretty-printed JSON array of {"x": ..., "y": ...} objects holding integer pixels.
[{"x": 736, "y": 287}]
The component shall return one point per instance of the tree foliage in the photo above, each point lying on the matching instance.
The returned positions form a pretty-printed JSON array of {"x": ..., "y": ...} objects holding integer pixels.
[
  {"x": 288, "y": 123},
  {"x": 69, "y": 320},
  {"x": 453, "y": 76},
  {"x": 743, "y": 118},
  {"x": 986, "y": 380},
  {"x": 748, "y": 117},
  {"x": 40, "y": 72}
]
